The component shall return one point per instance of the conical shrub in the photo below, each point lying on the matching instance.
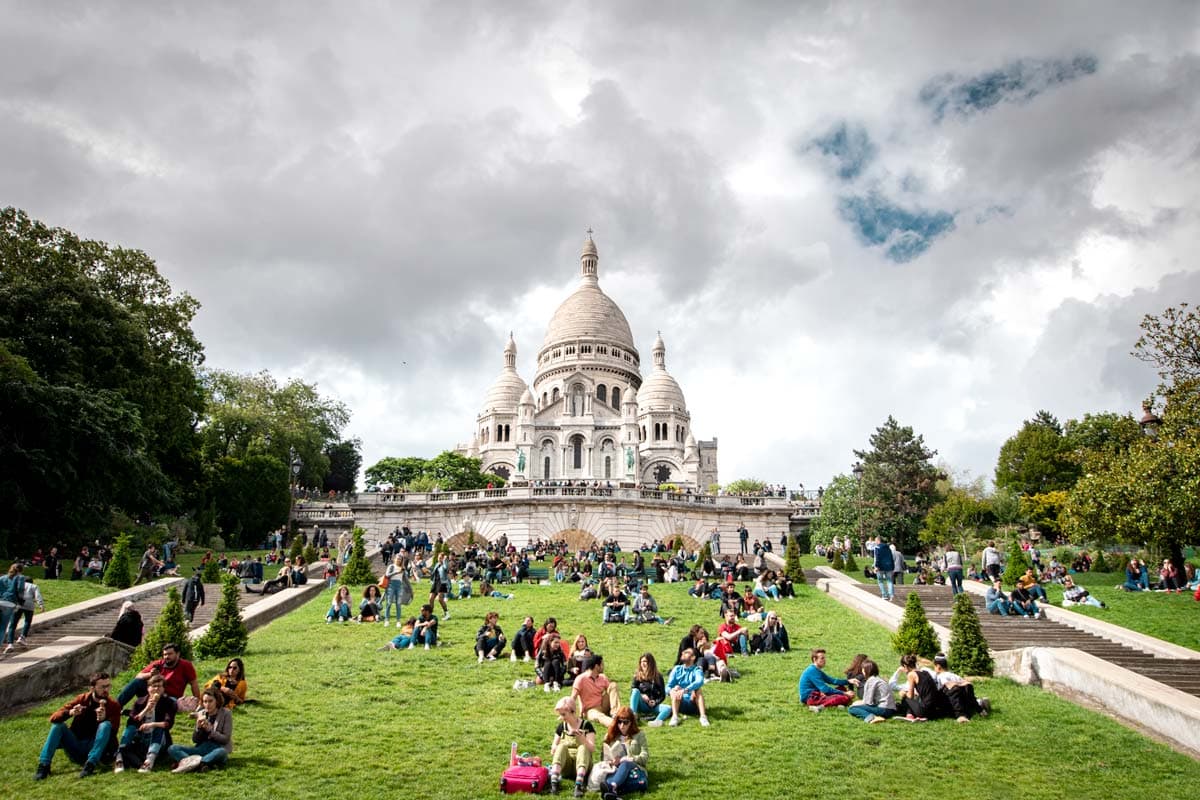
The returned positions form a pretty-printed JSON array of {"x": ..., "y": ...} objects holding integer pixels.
[
  {"x": 837, "y": 562},
  {"x": 969, "y": 653},
  {"x": 792, "y": 567},
  {"x": 227, "y": 635},
  {"x": 358, "y": 570},
  {"x": 119, "y": 573},
  {"x": 916, "y": 634},
  {"x": 1018, "y": 562},
  {"x": 169, "y": 628},
  {"x": 851, "y": 564}
]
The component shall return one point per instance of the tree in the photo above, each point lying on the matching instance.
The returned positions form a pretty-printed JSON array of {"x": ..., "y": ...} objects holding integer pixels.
[
  {"x": 1044, "y": 511},
  {"x": 226, "y": 635},
  {"x": 211, "y": 573},
  {"x": 1104, "y": 432},
  {"x": 396, "y": 472},
  {"x": 960, "y": 513},
  {"x": 251, "y": 497},
  {"x": 358, "y": 570},
  {"x": 915, "y": 634},
  {"x": 745, "y": 486},
  {"x": 792, "y": 566},
  {"x": 969, "y": 652},
  {"x": 119, "y": 573},
  {"x": 456, "y": 473},
  {"x": 1017, "y": 561},
  {"x": 1037, "y": 459},
  {"x": 170, "y": 628},
  {"x": 898, "y": 483},
  {"x": 345, "y": 459},
  {"x": 1171, "y": 344},
  {"x": 839, "y": 511}
]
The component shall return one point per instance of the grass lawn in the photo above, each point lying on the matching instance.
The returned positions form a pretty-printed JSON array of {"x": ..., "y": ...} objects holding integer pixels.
[
  {"x": 335, "y": 717},
  {"x": 1170, "y": 617}
]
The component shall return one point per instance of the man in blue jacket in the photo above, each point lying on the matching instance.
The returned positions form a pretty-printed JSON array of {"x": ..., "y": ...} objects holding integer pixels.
[
  {"x": 685, "y": 685},
  {"x": 818, "y": 690},
  {"x": 884, "y": 564}
]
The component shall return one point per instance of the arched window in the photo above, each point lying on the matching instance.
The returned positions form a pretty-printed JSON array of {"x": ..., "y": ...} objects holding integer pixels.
[
  {"x": 502, "y": 471},
  {"x": 544, "y": 397},
  {"x": 602, "y": 393},
  {"x": 499, "y": 433},
  {"x": 577, "y": 452},
  {"x": 554, "y": 395},
  {"x": 643, "y": 436},
  {"x": 608, "y": 466},
  {"x": 507, "y": 433},
  {"x": 616, "y": 397}
]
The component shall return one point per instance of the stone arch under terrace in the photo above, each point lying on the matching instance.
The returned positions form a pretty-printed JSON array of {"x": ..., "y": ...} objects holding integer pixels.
[{"x": 576, "y": 539}]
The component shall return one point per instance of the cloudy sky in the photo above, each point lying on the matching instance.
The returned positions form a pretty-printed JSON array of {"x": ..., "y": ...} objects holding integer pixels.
[{"x": 955, "y": 213}]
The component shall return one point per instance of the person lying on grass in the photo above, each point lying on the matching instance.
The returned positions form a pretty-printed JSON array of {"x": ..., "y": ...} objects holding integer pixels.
[
  {"x": 404, "y": 640},
  {"x": 572, "y": 748},
  {"x": 959, "y": 691},
  {"x": 1073, "y": 595}
]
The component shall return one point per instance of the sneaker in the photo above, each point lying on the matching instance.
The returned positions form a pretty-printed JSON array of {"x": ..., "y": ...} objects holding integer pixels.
[
  {"x": 446, "y": 615},
  {"x": 147, "y": 766},
  {"x": 89, "y": 769},
  {"x": 517, "y": 686},
  {"x": 545, "y": 687},
  {"x": 816, "y": 709},
  {"x": 412, "y": 646},
  {"x": 985, "y": 706},
  {"x": 491, "y": 658},
  {"x": 579, "y": 790},
  {"x": 512, "y": 656},
  {"x": 188, "y": 764},
  {"x": 667, "y": 621},
  {"x": 555, "y": 784},
  {"x": 21, "y": 642},
  {"x": 610, "y": 794},
  {"x": 876, "y": 720},
  {"x": 704, "y": 722},
  {"x": 527, "y": 659},
  {"x": 674, "y": 723},
  {"x": 426, "y": 646},
  {"x": 654, "y": 723},
  {"x": 480, "y": 661},
  {"x": 118, "y": 767},
  {"x": 8, "y": 649},
  {"x": 43, "y": 772}
]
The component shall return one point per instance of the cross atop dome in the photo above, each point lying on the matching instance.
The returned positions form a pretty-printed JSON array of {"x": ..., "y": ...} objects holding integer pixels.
[{"x": 588, "y": 261}]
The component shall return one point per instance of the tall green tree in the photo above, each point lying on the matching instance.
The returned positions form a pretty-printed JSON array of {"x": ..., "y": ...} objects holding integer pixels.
[
  {"x": 899, "y": 483},
  {"x": 839, "y": 513},
  {"x": 396, "y": 472},
  {"x": 251, "y": 497},
  {"x": 345, "y": 459},
  {"x": 961, "y": 513},
  {"x": 1037, "y": 459}
]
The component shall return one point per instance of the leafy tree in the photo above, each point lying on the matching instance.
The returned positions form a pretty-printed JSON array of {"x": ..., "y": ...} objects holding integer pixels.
[
  {"x": 119, "y": 573},
  {"x": 251, "y": 497},
  {"x": 345, "y": 459},
  {"x": 170, "y": 628},
  {"x": 960, "y": 513},
  {"x": 915, "y": 634},
  {"x": 1044, "y": 511},
  {"x": 898, "y": 483},
  {"x": 226, "y": 635},
  {"x": 1037, "y": 459},
  {"x": 745, "y": 486},
  {"x": 969, "y": 653},
  {"x": 792, "y": 566},
  {"x": 1170, "y": 342},
  {"x": 1005, "y": 505},
  {"x": 455, "y": 473},
  {"x": 398, "y": 472},
  {"x": 358, "y": 569},
  {"x": 211, "y": 572},
  {"x": 1103, "y": 433},
  {"x": 1018, "y": 561},
  {"x": 839, "y": 511}
]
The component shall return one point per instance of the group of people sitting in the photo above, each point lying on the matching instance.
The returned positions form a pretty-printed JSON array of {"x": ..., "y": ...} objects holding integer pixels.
[
  {"x": 88, "y": 726},
  {"x": 915, "y": 693}
]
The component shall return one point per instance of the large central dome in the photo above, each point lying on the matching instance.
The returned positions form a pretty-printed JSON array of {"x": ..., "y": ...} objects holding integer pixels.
[{"x": 589, "y": 313}]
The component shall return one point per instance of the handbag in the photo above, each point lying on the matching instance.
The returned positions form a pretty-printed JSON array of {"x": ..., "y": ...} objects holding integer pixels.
[{"x": 384, "y": 581}]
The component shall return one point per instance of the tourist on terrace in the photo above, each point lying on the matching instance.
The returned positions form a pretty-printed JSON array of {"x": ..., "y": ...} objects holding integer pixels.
[
  {"x": 572, "y": 747},
  {"x": 625, "y": 753},
  {"x": 92, "y": 716},
  {"x": 877, "y": 703},
  {"x": 212, "y": 739},
  {"x": 818, "y": 690}
]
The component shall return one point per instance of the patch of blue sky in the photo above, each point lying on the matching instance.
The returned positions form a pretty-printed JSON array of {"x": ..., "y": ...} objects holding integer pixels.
[
  {"x": 849, "y": 147},
  {"x": 1018, "y": 82},
  {"x": 902, "y": 233}
]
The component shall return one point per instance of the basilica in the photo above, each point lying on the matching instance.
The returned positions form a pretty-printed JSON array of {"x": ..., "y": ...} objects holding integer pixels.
[{"x": 590, "y": 415}]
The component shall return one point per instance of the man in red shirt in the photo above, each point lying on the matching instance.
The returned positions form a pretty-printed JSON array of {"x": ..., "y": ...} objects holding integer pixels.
[
  {"x": 177, "y": 672},
  {"x": 92, "y": 716}
]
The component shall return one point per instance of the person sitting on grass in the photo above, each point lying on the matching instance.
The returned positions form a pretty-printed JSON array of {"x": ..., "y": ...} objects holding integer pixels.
[
  {"x": 752, "y": 606},
  {"x": 648, "y": 690},
  {"x": 425, "y": 629},
  {"x": 231, "y": 683},
  {"x": 616, "y": 606},
  {"x": 685, "y": 691},
  {"x": 281, "y": 581},
  {"x": 997, "y": 600},
  {"x": 490, "y": 639},
  {"x": 818, "y": 690},
  {"x": 550, "y": 667},
  {"x": 339, "y": 607},
  {"x": 959, "y": 691},
  {"x": 1073, "y": 595},
  {"x": 178, "y": 674},
  {"x": 1137, "y": 577},
  {"x": 212, "y": 739},
  {"x": 597, "y": 695},
  {"x": 1168, "y": 577},
  {"x": 89, "y": 736},
  {"x": 764, "y": 586},
  {"x": 625, "y": 753},
  {"x": 371, "y": 605},
  {"x": 645, "y": 608},
  {"x": 522, "y": 645},
  {"x": 148, "y": 729},
  {"x": 772, "y": 637},
  {"x": 735, "y": 636},
  {"x": 877, "y": 703},
  {"x": 854, "y": 673},
  {"x": 579, "y": 653},
  {"x": 404, "y": 639},
  {"x": 572, "y": 748},
  {"x": 921, "y": 699},
  {"x": 549, "y": 626}
]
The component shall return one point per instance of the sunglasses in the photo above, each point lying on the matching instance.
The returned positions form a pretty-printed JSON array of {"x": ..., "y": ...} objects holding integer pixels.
[{"x": 624, "y": 721}]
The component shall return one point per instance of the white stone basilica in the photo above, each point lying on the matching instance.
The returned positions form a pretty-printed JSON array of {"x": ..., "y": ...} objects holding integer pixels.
[{"x": 590, "y": 416}]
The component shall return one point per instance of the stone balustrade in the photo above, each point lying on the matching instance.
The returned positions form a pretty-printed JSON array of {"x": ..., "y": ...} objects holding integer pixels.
[{"x": 387, "y": 499}]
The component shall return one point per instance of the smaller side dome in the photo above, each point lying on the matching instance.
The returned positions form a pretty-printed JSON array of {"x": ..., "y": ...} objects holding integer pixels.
[
  {"x": 527, "y": 397},
  {"x": 507, "y": 390},
  {"x": 660, "y": 391}
]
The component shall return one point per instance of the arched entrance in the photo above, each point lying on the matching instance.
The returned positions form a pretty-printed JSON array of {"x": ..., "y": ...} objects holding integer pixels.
[{"x": 575, "y": 538}]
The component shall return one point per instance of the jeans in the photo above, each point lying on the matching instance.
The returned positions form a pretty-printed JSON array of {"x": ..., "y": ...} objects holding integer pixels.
[
  {"x": 392, "y": 597},
  {"x": 402, "y": 641},
  {"x": 154, "y": 740},
  {"x": 342, "y": 612},
  {"x": 639, "y": 705},
  {"x": 18, "y": 615},
  {"x": 862, "y": 711},
  {"x": 1001, "y": 607},
  {"x": 614, "y": 615},
  {"x": 426, "y": 636},
  {"x": 623, "y": 773},
  {"x": 136, "y": 687},
  {"x": 956, "y": 583},
  {"x": 78, "y": 750},
  {"x": 7, "y": 614},
  {"x": 898, "y": 577},
  {"x": 486, "y": 645},
  {"x": 210, "y": 753},
  {"x": 886, "y": 588},
  {"x": 686, "y": 706}
]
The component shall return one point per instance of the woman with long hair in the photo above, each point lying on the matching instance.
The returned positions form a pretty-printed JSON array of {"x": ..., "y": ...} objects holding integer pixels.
[
  {"x": 625, "y": 753},
  {"x": 339, "y": 607},
  {"x": 551, "y": 665},
  {"x": 648, "y": 690},
  {"x": 369, "y": 607},
  {"x": 231, "y": 683}
]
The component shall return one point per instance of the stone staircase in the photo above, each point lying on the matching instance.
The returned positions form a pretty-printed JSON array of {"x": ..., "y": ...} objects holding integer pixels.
[{"x": 1010, "y": 633}]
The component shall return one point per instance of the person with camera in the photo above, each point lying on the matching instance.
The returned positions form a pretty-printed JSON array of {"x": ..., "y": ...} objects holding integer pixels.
[
  {"x": 212, "y": 739},
  {"x": 83, "y": 727},
  {"x": 231, "y": 683}
]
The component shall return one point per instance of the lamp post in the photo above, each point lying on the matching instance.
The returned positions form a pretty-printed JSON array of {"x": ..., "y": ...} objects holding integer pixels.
[
  {"x": 1150, "y": 421},
  {"x": 297, "y": 464},
  {"x": 858, "y": 473}
]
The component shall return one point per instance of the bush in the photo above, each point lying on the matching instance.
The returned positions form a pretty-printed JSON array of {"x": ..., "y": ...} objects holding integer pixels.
[
  {"x": 851, "y": 564},
  {"x": 916, "y": 634},
  {"x": 792, "y": 566},
  {"x": 119, "y": 573},
  {"x": 310, "y": 555},
  {"x": 358, "y": 570},
  {"x": 969, "y": 654},
  {"x": 705, "y": 552},
  {"x": 297, "y": 548},
  {"x": 170, "y": 627},
  {"x": 211, "y": 572},
  {"x": 1018, "y": 562},
  {"x": 837, "y": 562},
  {"x": 227, "y": 635},
  {"x": 1100, "y": 564}
]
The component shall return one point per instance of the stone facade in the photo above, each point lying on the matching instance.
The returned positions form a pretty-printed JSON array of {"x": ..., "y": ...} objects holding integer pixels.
[{"x": 590, "y": 415}]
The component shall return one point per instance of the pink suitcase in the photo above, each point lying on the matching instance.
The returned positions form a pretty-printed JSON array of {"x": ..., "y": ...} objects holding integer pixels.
[{"x": 534, "y": 779}]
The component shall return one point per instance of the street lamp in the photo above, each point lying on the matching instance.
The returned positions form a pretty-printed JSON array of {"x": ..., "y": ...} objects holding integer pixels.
[
  {"x": 296, "y": 465},
  {"x": 858, "y": 473},
  {"x": 1150, "y": 421}
]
